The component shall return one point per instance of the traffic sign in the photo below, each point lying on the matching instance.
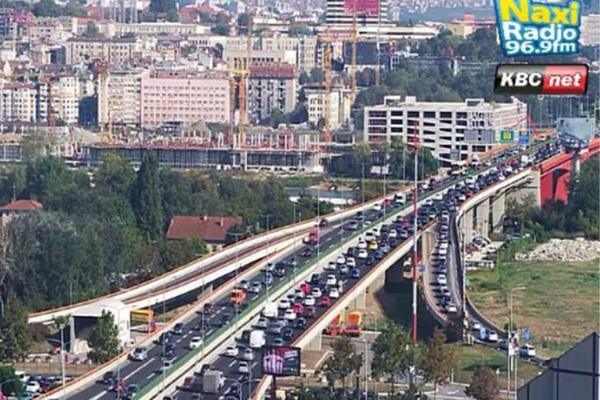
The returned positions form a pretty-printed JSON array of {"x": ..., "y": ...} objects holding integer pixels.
[
  {"x": 524, "y": 138},
  {"x": 526, "y": 334},
  {"x": 421, "y": 268},
  {"x": 506, "y": 136}
]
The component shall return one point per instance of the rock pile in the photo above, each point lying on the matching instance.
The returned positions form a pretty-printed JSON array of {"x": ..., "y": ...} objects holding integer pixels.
[{"x": 563, "y": 250}]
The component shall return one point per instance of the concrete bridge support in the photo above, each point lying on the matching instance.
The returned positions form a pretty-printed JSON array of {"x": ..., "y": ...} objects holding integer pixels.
[
  {"x": 529, "y": 191},
  {"x": 427, "y": 245},
  {"x": 466, "y": 224},
  {"x": 316, "y": 344},
  {"x": 482, "y": 218},
  {"x": 498, "y": 210},
  {"x": 359, "y": 302}
]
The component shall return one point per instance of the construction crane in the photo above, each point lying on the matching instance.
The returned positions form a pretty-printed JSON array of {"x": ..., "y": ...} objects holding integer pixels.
[
  {"x": 240, "y": 79},
  {"x": 329, "y": 37}
]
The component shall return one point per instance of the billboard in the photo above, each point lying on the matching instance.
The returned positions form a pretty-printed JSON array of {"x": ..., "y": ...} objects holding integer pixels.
[
  {"x": 363, "y": 7},
  {"x": 280, "y": 360}
]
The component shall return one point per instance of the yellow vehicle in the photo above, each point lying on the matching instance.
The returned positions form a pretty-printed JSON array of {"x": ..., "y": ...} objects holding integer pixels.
[{"x": 373, "y": 245}]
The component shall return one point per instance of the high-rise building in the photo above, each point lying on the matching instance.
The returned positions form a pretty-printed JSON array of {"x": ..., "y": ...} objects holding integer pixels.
[
  {"x": 369, "y": 12},
  {"x": 185, "y": 98},
  {"x": 119, "y": 97},
  {"x": 452, "y": 131},
  {"x": 339, "y": 106},
  {"x": 272, "y": 86}
]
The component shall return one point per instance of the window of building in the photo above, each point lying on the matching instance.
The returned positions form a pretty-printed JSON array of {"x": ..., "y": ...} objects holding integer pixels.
[
  {"x": 429, "y": 114},
  {"x": 445, "y": 114},
  {"x": 413, "y": 114}
]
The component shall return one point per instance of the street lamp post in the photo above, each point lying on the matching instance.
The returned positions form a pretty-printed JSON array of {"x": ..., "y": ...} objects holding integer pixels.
[
  {"x": 238, "y": 384},
  {"x": 62, "y": 357},
  {"x": 509, "y": 343},
  {"x": 366, "y": 368}
]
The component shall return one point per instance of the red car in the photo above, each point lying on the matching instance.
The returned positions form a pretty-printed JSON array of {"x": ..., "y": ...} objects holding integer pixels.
[
  {"x": 298, "y": 308},
  {"x": 325, "y": 302},
  {"x": 310, "y": 312}
]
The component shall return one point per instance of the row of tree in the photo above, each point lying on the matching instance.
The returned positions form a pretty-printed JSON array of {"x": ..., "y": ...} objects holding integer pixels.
[
  {"x": 398, "y": 158},
  {"x": 581, "y": 214},
  {"x": 394, "y": 357}
]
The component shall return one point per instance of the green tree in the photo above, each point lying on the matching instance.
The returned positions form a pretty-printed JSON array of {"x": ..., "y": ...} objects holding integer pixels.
[
  {"x": 14, "y": 330},
  {"x": 438, "y": 360},
  {"x": 147, "y": 199},
  {"x": 162, "y": 6},
  {"x": 484, "y": 385},
  {"x": 115, "y": 175},
  {"x": 277, "y": 117},
  {"x": 343, "y": 362},
  {"x": 243, "y": 20},
  {"x": 221, "y": 28},
  {"x": 46, "y": 8},
  {"x": 172, "y": 16},
  {"x": 175, "y": 253},
  {"x": 104, "y": 341},
  {"x": 91, "y": 30},
  {"x": 13, "y": 386},
  {"x": 393, "y": 354}
]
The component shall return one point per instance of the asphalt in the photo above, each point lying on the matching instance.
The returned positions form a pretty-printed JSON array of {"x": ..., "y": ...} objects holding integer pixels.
[{"x": 141, "y": 373}]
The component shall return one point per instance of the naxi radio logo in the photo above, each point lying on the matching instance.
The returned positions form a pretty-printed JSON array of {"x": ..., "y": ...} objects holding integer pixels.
[{"x": 529, "y": 28}]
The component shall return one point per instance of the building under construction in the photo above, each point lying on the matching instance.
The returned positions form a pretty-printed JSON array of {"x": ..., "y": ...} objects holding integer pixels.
[{"x": 268, "y": 150}]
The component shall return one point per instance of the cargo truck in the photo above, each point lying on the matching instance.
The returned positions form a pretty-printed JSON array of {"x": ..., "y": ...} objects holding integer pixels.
[{"x": 212, "y": 381}]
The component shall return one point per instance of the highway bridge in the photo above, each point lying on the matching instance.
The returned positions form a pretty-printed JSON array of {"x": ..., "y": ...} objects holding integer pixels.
[{"x": 216, "y": 338}]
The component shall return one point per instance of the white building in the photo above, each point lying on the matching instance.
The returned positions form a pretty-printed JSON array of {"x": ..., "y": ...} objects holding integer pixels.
[
  {"x": 235, "y": 58},
  {"x": 452, "y": 131},
  {"x": 18, "y": 102},
  {"x": 339, "y": 106},
  {"x": 63, "y": 93},
  {"x": 271, "y": 86},
  {"x": 590, "y": 30},
  {"x": 119, "y": 97},
  {"x": 113, "y": 51}
]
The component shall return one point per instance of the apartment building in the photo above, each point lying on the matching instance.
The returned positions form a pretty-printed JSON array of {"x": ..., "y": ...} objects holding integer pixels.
[
  {"x": 59, "y": 94},
  {"x": 185, "y": 98},
  {"x": 115, "y": 51},
  {"x": 155, "y": 28},
  {"x": 13, "y": 23},
  {"x": 120, "y": 96},
  {"x": 18, "y": 102},
  {"x": 339, "y": 105},
  {"x": 236, "y": 58},
  {"x": 590, "y": 30},
  {"x": 452, "y": 131},
  {"x": 272, "y": 86}
]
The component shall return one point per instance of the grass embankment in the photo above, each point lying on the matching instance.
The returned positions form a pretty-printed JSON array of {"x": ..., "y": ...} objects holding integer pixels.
[
  {"x": 559, "y": 304},
  {"x": 472, "y": 357}
]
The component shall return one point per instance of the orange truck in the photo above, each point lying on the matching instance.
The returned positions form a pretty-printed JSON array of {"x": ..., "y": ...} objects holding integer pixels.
[
  {"x": 237, "y": 296},
  {"x": 352, "y": 326}
]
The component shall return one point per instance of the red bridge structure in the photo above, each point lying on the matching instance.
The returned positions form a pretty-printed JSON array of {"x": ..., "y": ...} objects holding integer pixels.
[{"x": 556, "y": 172}]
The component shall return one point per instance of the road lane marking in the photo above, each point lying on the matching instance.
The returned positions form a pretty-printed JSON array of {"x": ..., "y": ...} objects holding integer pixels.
[{"x": 135, "y": 371}]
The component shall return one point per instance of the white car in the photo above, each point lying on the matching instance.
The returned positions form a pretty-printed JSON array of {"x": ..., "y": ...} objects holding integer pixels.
[
  {"x": 344, "y": 269},
  {"x": 476, "y": 326},
  {"x": 232, "y": 351},
  {"x": 451, "y": 308},
  {"x": 262, "y": 323},
  {"x": 527, "y": 350},
  {"x": 351, "y": 262},
  {"x": 195, "y": 342},
  {"x": 309, "y": 301},
  {"x": 363, "y": 254},
  {"x": 290, "y": 315},
  {"x": 243, "y": 368},
  {"x": 299, "y": 294},
  {"x": 492, "y": 336},
  {"x": 284, "y": 304},
  {"x": 316, "y": 292},
  {"x": 247, "y": 355},
  {"x": 340, "y": 260},
  {"x": 377, "y": 206},
  {"x": 441, "y": 279},
  {"x": 334, "y": 293},
  {"x": 362, "y": 245},
  {"x": 393, "y": 233},
  {"x": 369, "y": 236},
  {"x": 331, "y": 266},
  {"x": 331, "y": 280},
  {"x": 32, "y": 386}
]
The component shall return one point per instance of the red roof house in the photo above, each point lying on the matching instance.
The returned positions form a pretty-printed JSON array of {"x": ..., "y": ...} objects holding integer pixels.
[
  {"x": 212, "y": 230},
  {"x": 22, "y": 205}
]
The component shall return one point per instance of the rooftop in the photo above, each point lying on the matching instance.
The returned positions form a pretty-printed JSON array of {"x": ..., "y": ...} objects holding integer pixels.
[
  {"x": 209, "y": 229},
  {"x": 23, "y": 205}
]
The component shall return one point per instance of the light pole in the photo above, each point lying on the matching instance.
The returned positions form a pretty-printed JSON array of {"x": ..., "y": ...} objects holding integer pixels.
[
  {"x": 509, "y": 342},
  {"x": 62, "y": 357},
  {"x": 238, "y": 384},
  {"x": 366, "y": 368}
]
